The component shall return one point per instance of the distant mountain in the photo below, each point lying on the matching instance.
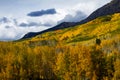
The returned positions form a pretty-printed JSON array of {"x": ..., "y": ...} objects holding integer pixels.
[{"x": 110, "y": 8}]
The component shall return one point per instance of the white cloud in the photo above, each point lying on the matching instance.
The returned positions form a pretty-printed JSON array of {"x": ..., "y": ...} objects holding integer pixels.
[
  {"x": 11, "y": 31},
  {"x": 73, "y": 17},
  {"x": 14, "y": 34}
]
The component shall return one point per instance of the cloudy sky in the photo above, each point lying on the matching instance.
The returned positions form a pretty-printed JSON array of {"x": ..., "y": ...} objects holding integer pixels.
[{"x": 18, "y": 17}]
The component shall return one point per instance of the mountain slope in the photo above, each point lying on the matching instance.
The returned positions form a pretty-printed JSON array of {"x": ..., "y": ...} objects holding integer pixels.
[{"x": 110, "y": 8}]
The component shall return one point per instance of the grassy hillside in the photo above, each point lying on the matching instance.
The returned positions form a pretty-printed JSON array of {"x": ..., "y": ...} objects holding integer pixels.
[
  {"x": 104, "y": 28},
  {"x": 67, "y": 54}
]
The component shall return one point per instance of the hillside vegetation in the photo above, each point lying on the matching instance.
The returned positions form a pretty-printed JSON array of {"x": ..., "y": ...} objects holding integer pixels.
[{"x": 84, "y": 52}]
